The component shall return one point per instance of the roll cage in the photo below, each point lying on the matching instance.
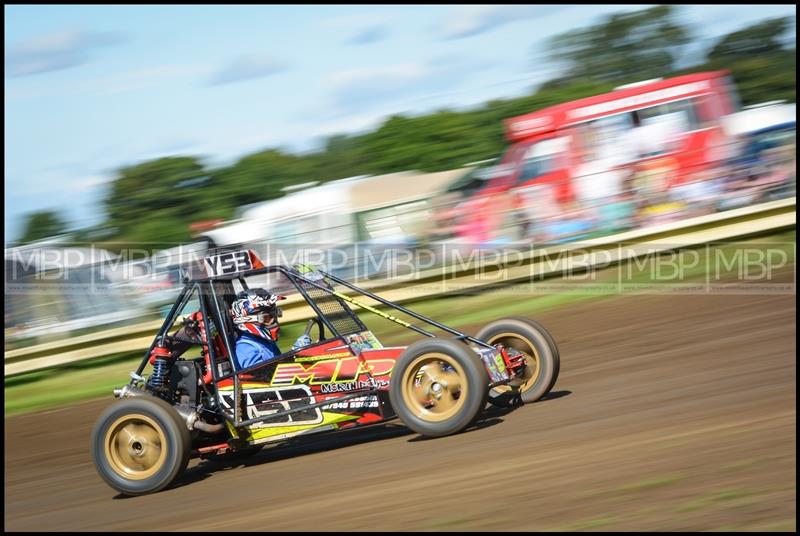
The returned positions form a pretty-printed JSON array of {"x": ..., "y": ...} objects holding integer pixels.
[{"x": 216, "y": 294}]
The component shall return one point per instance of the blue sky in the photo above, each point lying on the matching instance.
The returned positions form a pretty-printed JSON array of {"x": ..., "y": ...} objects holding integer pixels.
[{"x": 91, "y": 88}]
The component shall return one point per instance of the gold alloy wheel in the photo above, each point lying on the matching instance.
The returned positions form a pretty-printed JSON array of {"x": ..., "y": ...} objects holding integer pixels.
[
  {"x": 135, "y": 446},
  {"x": 432, "y": 387},
  {"x": 532, "y": 361}
]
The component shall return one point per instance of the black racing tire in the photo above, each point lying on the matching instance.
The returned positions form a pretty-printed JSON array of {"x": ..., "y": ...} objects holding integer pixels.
[
  {"x": 438, "y": 387},
  {"x": 140, "y": 445},
  {"x": 540, "y": 349}
]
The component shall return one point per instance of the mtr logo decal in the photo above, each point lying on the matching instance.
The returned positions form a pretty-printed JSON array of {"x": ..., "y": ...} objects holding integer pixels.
[{"x": 329, "y": 371}]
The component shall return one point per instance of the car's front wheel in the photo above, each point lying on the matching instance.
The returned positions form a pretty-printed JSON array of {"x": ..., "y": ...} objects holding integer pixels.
[
  {"x": 140, "y": 445},
  {"x": 438, "y": 386}
]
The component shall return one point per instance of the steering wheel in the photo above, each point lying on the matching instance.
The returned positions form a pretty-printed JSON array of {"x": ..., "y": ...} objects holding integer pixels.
[
  {"x": 182, "y": 339},
  {"x": 190, "y": 327},
  {"x": 309, "y": 325}
]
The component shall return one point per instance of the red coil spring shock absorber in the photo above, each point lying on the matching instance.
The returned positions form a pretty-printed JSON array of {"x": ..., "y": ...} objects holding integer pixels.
[{"x": 160, "y": 358}]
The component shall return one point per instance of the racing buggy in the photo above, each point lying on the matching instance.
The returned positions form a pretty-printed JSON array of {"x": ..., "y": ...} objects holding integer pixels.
[{"x": 196, "y": 402}]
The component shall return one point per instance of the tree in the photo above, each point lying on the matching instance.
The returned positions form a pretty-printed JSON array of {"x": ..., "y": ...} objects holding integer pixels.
[
  {"x": 760, "y": 39},
  {"x": 624, "y": 47},
  {"x": 764, "y": 78},
  {"x": 261, "y": 176},
  {"x": 147, "y": 200},
  {"x": 42, "y": 224},
  {"x": 343, "y": 156},
  {"x": 435, "y": 142},
  {"x": 761, "y": 65}
]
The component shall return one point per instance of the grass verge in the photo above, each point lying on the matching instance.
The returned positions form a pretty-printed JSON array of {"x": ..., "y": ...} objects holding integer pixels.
[{"x": 44, "y": 389}]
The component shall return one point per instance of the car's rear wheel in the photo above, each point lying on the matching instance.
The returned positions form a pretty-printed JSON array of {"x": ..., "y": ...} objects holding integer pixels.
[
  {"x": 438, "y": 386},
  {"x": 140, "y": 445},
  {"x": 541, "y": 357}
]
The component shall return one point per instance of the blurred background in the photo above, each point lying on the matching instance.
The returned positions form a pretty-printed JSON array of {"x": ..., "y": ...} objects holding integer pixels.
[
  {"x": 410, "y": 126},
  {"x": 396, "y": 140}
]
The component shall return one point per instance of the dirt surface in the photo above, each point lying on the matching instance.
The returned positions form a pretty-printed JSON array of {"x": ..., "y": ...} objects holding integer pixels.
[{"x": 671, "y": 413}]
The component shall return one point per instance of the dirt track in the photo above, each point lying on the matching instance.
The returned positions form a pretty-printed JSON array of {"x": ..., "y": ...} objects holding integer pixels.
[{"x": 671, "y": 413}]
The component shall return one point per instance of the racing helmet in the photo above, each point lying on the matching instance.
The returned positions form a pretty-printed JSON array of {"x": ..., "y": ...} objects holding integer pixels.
[{"x": 255, "y": 311}]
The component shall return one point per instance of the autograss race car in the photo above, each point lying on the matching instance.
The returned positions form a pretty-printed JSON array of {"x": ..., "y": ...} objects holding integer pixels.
[{"x": 204, "y": 406}]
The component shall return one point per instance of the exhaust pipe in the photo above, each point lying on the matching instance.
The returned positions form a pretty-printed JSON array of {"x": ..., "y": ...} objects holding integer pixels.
[
  {"x": 193, "y": 421},
  {"x": 192, "y": 418},
  {"x": 210, "y": 428}
]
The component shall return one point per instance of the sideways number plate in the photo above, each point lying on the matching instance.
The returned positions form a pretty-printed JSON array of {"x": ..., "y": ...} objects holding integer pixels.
[
  {"x": 228, "y": 263},
  {"x": 495, "y": 365}
]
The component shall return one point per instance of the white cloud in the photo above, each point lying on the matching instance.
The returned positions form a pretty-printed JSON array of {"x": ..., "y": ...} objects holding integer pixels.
[
  {"x": 87, "y": 184},
  {"x": 359, "y": 29},
  {"x": 247, "y": 68},
  {"x": 46, "y": 182},
  {"x": 139, "y": 79},
  {"x": 362, "y": 88},
  {"x": 122, "y": 82},
  {"x": 368, "y": 35},
  {"x": 56, "y": 51},
  {"x": 466, "y": 21}
]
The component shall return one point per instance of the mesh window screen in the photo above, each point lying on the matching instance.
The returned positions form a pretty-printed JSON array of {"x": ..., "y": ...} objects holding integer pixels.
[{"x": 335, "y": 309}]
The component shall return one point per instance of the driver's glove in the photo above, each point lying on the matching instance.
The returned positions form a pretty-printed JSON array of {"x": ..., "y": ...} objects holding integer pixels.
[{"x": 301, "y": 342}]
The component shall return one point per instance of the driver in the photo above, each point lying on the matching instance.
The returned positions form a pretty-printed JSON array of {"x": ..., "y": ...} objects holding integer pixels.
[{"x": 255, "y": 313}]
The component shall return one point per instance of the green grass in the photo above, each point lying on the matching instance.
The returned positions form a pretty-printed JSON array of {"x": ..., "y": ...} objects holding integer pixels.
[
  {"x": 741, "y": 465},
  {"x": 96, "y": 378},
  {"x": 447, "y": 523},
  {"x": 594, "y": 523},
  {"x": 788, "y": 525},
  {"x": 728, "y": 528},
  {"x": 587, "y": 524},
  {"x": 649, "y": 484},
  {"x": 62, "y": 386},
  {"x": 715, "y": 498}
]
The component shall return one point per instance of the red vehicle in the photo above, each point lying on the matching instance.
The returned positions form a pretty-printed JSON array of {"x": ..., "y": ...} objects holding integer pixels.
[{"x": 569, "y": 151}]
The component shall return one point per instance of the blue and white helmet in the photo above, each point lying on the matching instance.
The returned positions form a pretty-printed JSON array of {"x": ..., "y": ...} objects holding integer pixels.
[{"x": 256, "y": 312}]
